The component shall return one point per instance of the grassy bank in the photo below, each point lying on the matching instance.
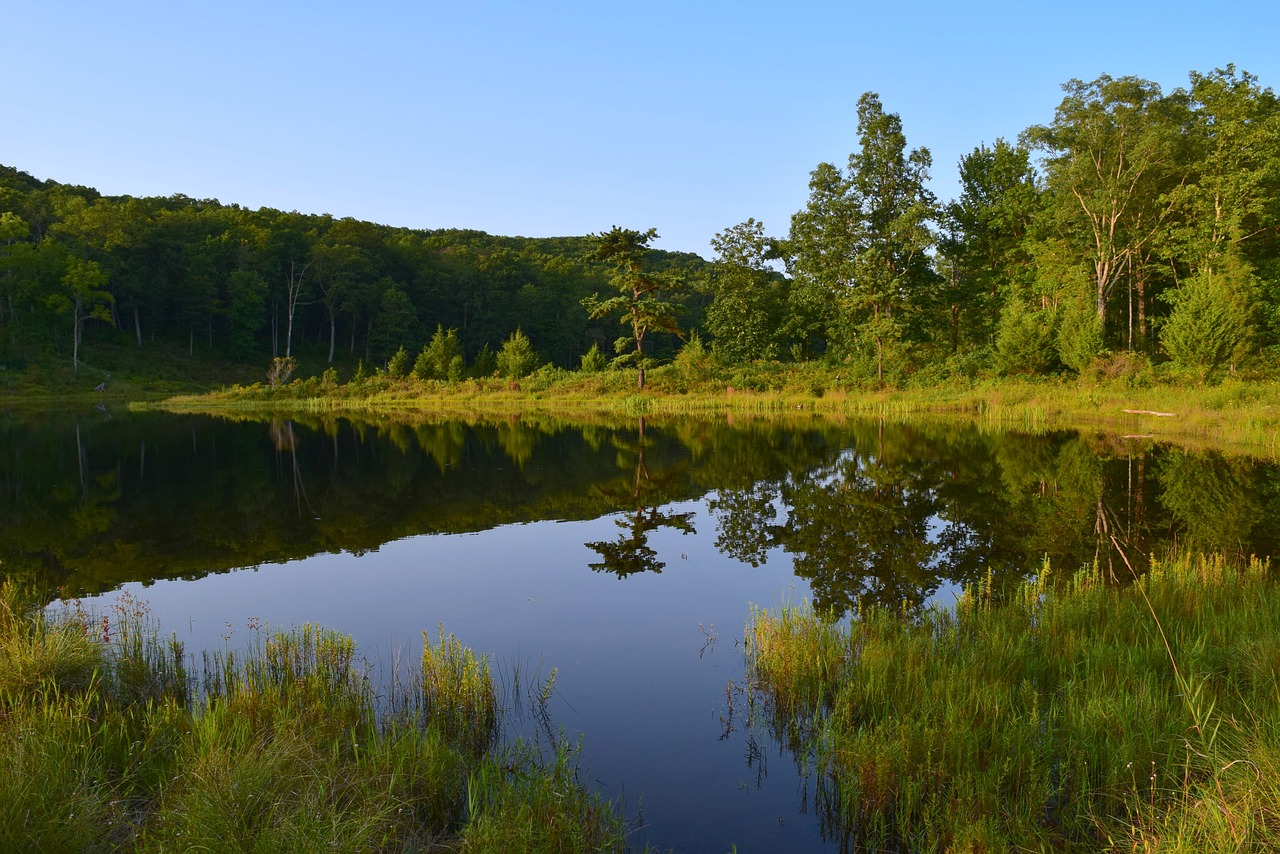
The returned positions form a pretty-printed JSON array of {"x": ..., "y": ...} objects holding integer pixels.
[
  {"x": 109, "y": 740},
  {"x": 1074, "y": 716},
  {"x": 1236, "y": 414}
]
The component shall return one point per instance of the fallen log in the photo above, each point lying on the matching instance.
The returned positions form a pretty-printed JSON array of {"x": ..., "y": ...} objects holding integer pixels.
[{"x": 1148, "y": 412}]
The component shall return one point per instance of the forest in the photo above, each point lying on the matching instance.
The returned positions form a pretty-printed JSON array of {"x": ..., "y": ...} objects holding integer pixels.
[{"x": 1135, "y": 228}]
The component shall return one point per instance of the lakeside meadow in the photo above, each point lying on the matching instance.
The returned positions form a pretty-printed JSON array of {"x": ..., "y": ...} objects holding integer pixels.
[{"x": 1238, "y": 414}]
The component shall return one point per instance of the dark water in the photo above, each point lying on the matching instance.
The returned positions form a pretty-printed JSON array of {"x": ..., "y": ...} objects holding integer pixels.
[{"x": 624, "y": 555}]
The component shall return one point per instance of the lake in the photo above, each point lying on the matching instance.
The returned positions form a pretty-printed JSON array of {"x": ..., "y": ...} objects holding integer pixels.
[{"x": 626, "y": 554}]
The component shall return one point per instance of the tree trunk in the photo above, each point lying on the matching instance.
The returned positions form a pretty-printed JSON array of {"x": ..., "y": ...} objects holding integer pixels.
[
  {"x": 333, "y": 335},
  {"x": 77, "y": 323},
  {"x": 1141, "y": 283}
]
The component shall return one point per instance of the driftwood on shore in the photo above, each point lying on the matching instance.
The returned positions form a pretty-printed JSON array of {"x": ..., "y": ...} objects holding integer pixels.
[{"x": 1148, "y": 412}]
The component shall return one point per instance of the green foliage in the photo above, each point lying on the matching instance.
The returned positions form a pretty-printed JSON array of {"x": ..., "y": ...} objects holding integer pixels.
[
  {"x": 1210, "y": 325},
  {"x": 436, "y": 361},
  {"x": 1110, "y": 155},
  {"x": 639, "y": 303},
  {"x": 104, "y": 746},
  {"x": 84, "y": 297},
  {"x": 984, "y": 248},
  {"x": 1025, "y": 342},
  {"x": 593, "y": 361},
  {"x": 1079, "y": 336},
  {"x": 398, "y": 364},
  {"x": 694, "y": 361},
  {"x": 394, "y": 323},
  {"x": 864, "y": 237},
  {"x": 516, "y": 359},
  {"x": 245, "y": 311},
  {"x": 1139, "y": 192},
  {"x": 458, "y": 694},
  {"x": 485, "y": 364},
  {"x": 749, "y": 299},
  {"x": 963, "y": 729}
]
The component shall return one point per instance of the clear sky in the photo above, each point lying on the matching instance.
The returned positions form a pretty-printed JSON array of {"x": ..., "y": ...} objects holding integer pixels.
[{"x": 556, "y": 118}]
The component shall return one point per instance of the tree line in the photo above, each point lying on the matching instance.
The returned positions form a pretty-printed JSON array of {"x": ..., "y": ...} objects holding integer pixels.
[
  {"x": 219, "y": 280},
  {"x": 1134, "y": 226}
]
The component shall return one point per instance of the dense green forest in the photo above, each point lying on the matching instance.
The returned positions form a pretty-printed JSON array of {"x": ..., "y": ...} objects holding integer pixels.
[{"x": 1135, "y": 227}]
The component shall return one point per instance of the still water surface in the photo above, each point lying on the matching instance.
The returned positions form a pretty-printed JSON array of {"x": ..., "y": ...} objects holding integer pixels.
[{"x": 625, "y": 555}]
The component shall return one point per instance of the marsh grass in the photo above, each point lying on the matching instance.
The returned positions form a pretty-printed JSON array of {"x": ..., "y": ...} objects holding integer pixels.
[
  {"x": 458, "y": 693},
  {"x": 1236, "y": 414},
  {"x": 1055, "y": 718},
  {"x": 108, "y": 743}
]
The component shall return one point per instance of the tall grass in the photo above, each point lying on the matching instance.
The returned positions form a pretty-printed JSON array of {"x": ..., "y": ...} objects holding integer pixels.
[
  {"x": 1067, "y": 716},
  {"x": 108, "y": 743},
  {"x": 1236, "y": 413}
]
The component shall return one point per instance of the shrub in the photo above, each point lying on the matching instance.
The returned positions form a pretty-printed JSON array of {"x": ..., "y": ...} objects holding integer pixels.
[{"x": 516, "y": 359}]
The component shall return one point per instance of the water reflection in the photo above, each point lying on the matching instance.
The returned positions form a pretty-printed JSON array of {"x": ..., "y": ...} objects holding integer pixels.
[
  {"x": 631, "y": 552},
  {"x": 863, "y": 510}
]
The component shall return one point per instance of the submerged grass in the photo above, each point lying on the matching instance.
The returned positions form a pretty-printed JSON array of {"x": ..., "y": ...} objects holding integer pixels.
[
  {"x": 106, "y": 743},
  {"x": 1073, "y": 715}
]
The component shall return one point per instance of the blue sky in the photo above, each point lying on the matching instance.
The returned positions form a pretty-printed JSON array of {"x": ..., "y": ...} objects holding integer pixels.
[{"x": 556, "y": 118}]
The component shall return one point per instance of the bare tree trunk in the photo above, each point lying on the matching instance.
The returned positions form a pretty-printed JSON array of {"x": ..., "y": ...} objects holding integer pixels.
[
  {"x": 333, "y": 335},
  {"x": 1141, "y": 282},
  {"x": 293, "y": 299}
]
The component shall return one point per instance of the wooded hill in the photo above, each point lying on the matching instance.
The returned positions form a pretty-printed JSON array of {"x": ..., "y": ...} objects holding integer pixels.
[
  {"x": 221, "y": 281},
  {"x": 1134, "y": 227}
]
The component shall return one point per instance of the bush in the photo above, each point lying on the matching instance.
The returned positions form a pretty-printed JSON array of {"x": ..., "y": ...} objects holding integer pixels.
[
  {"x": 398, "y": 364},
  {"x": 1024, "y": 341},
  {"x": 593, "y": 361},
  {"x": 516, "y": 359},
  {"x": 1079, "y": 337},
  {"x": 282, "y": 368},
  {"x": 1210, "y": 325}
]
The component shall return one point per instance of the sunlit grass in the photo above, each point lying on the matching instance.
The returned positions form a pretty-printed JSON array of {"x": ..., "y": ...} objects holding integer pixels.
[
  {"x": 106, "y": 743},
  {"x": 1067, "y": 716},
  {"x": 1236, "y": 413}
]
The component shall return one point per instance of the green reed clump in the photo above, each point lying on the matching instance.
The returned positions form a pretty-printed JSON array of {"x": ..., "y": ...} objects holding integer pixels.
[
  {"x": 107, "y": 744},
  {"x": 42, "y": 658},
  {"x": 457, "y": 693},
  {"x": 1072, "y": 714},
  {"x": 518, "y": 802}
]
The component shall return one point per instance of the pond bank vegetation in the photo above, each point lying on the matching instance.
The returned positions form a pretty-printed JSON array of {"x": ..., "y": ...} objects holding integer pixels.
[
  {"x": 111, "y": 740},
  {"x": 1073, "y": 715},
  {"x": 1236, "y": 414}
]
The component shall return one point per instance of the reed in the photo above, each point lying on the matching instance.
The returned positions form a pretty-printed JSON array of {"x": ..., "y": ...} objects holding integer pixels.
[
  {"x": 458, "y": 694},
  {"x": 517, "y": 804},
  {"x": 1069, "y": 715},
  {"x": 108, "y": 743},
  {"x": 1235, "y": 414}
]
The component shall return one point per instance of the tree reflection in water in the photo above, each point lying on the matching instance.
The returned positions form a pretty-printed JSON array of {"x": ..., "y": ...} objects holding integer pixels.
[
  {"x": 863, "y": 510},
  {"x": 631, "y": 552}
]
